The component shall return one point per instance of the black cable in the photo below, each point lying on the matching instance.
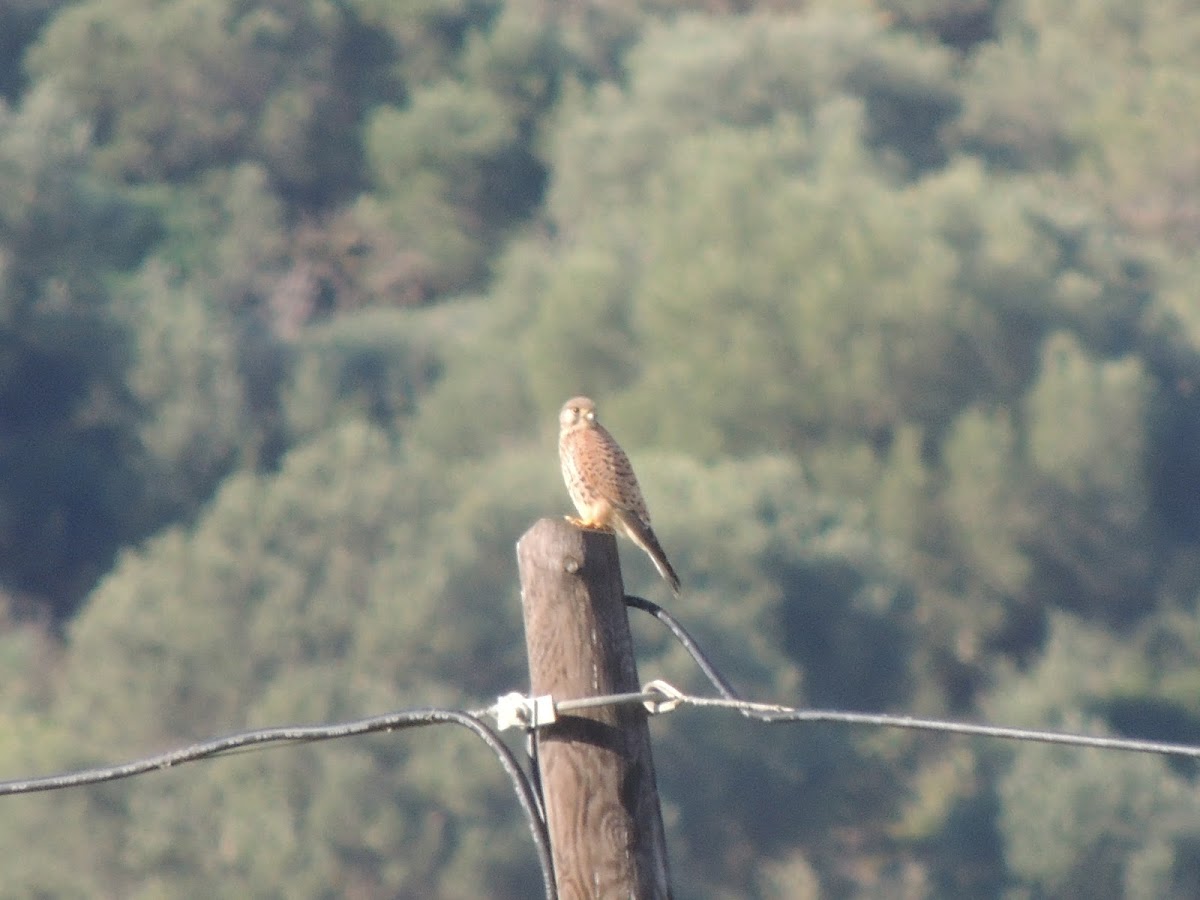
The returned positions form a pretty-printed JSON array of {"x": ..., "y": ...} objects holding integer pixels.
[
  {"x": 689, "y": 644},
  {"x": 525, "y": 784},
  {"x": 768, "y": 712},
  {"x": 415, "y": 718},
  {"x": 527, "y": 796}
]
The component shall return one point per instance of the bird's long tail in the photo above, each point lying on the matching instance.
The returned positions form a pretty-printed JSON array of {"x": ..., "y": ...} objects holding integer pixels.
[{"x": 640, "y": 532}]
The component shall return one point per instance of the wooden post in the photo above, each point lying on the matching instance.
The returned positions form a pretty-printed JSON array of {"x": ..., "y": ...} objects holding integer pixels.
[{"x": 597, "y": 774}]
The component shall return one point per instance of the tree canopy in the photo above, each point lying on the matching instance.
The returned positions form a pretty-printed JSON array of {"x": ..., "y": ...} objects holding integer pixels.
[{"x": 892, "y": 303}]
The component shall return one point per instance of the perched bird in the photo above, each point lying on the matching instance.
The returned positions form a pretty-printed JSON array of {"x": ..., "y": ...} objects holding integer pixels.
[{"x": 602, "y": 485}]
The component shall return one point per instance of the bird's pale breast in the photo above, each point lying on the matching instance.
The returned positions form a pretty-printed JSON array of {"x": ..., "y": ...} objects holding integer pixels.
[{"x": 597, "y": 470}]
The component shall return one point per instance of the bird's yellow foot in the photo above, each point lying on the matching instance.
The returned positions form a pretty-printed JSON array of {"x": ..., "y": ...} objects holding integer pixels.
[{"x": 587, "y": 526}]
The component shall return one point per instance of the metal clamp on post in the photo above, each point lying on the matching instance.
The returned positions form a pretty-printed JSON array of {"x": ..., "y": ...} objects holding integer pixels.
[{"x": 515, "y": 710}]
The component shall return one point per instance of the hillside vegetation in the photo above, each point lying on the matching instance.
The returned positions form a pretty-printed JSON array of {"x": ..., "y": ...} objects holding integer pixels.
[{"x": 893, "y": 303}]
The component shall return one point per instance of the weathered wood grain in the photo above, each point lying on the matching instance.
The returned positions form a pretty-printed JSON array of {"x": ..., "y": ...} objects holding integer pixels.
[{"x": 597, "y": 774}]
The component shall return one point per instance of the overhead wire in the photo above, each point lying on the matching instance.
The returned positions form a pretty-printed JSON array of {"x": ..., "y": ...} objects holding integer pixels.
[
  {"x": 532, "y": 713},
  {"x": 413, "y": 718},
  {"x": 770, "y": 712}
]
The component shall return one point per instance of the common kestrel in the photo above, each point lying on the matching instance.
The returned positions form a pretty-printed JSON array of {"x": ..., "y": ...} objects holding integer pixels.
[{"x": 601, "y": 482}]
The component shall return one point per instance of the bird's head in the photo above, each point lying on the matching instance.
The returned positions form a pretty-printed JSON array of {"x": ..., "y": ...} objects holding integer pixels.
[{"x": 577, "y": 412}]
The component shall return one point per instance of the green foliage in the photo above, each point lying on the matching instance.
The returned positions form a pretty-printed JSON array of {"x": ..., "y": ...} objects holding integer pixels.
[
  {"x": 581, "y": 337},
  {"x": 258, "y": 82},
  {"x": 1091, "y": 537},
  {"x": 226, "y": 232},
  {"x": 431, "y": 158},
  {"x": 251, "y": 619},
  {"x": 746, "y": 74},
  {"x": 982, "y": 466},
  {"x": 835, "y": 299},
  {"x": 376, "y": 364},
  {"x": 428, "y": 33},
  {"x": 792, "y": 598},
  {"x": 1076, "y": 823},
  {"x": 62, "y": 222},
  {"x": 20, "y": 21},
  {"x": 891, "y": 303},
  {"x": 1077, "y": 407},
  {"x": 1086, "y": 822},
  {"x": 66, "y": 454},
  {"x": 195, "y": 423},
  {"x": 1097, "y": 96},
  {"x": 961, "y": 24},
  {"x": 456, "y": 165}
]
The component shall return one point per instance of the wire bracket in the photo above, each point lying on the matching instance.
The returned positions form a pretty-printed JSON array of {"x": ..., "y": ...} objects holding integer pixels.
[
  {"x": 515, "y": 710},
  {"x": 672, "y": 697}
]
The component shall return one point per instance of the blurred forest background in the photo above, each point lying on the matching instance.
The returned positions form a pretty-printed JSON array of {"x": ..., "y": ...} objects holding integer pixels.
[{"x": 893, "y": 303}]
